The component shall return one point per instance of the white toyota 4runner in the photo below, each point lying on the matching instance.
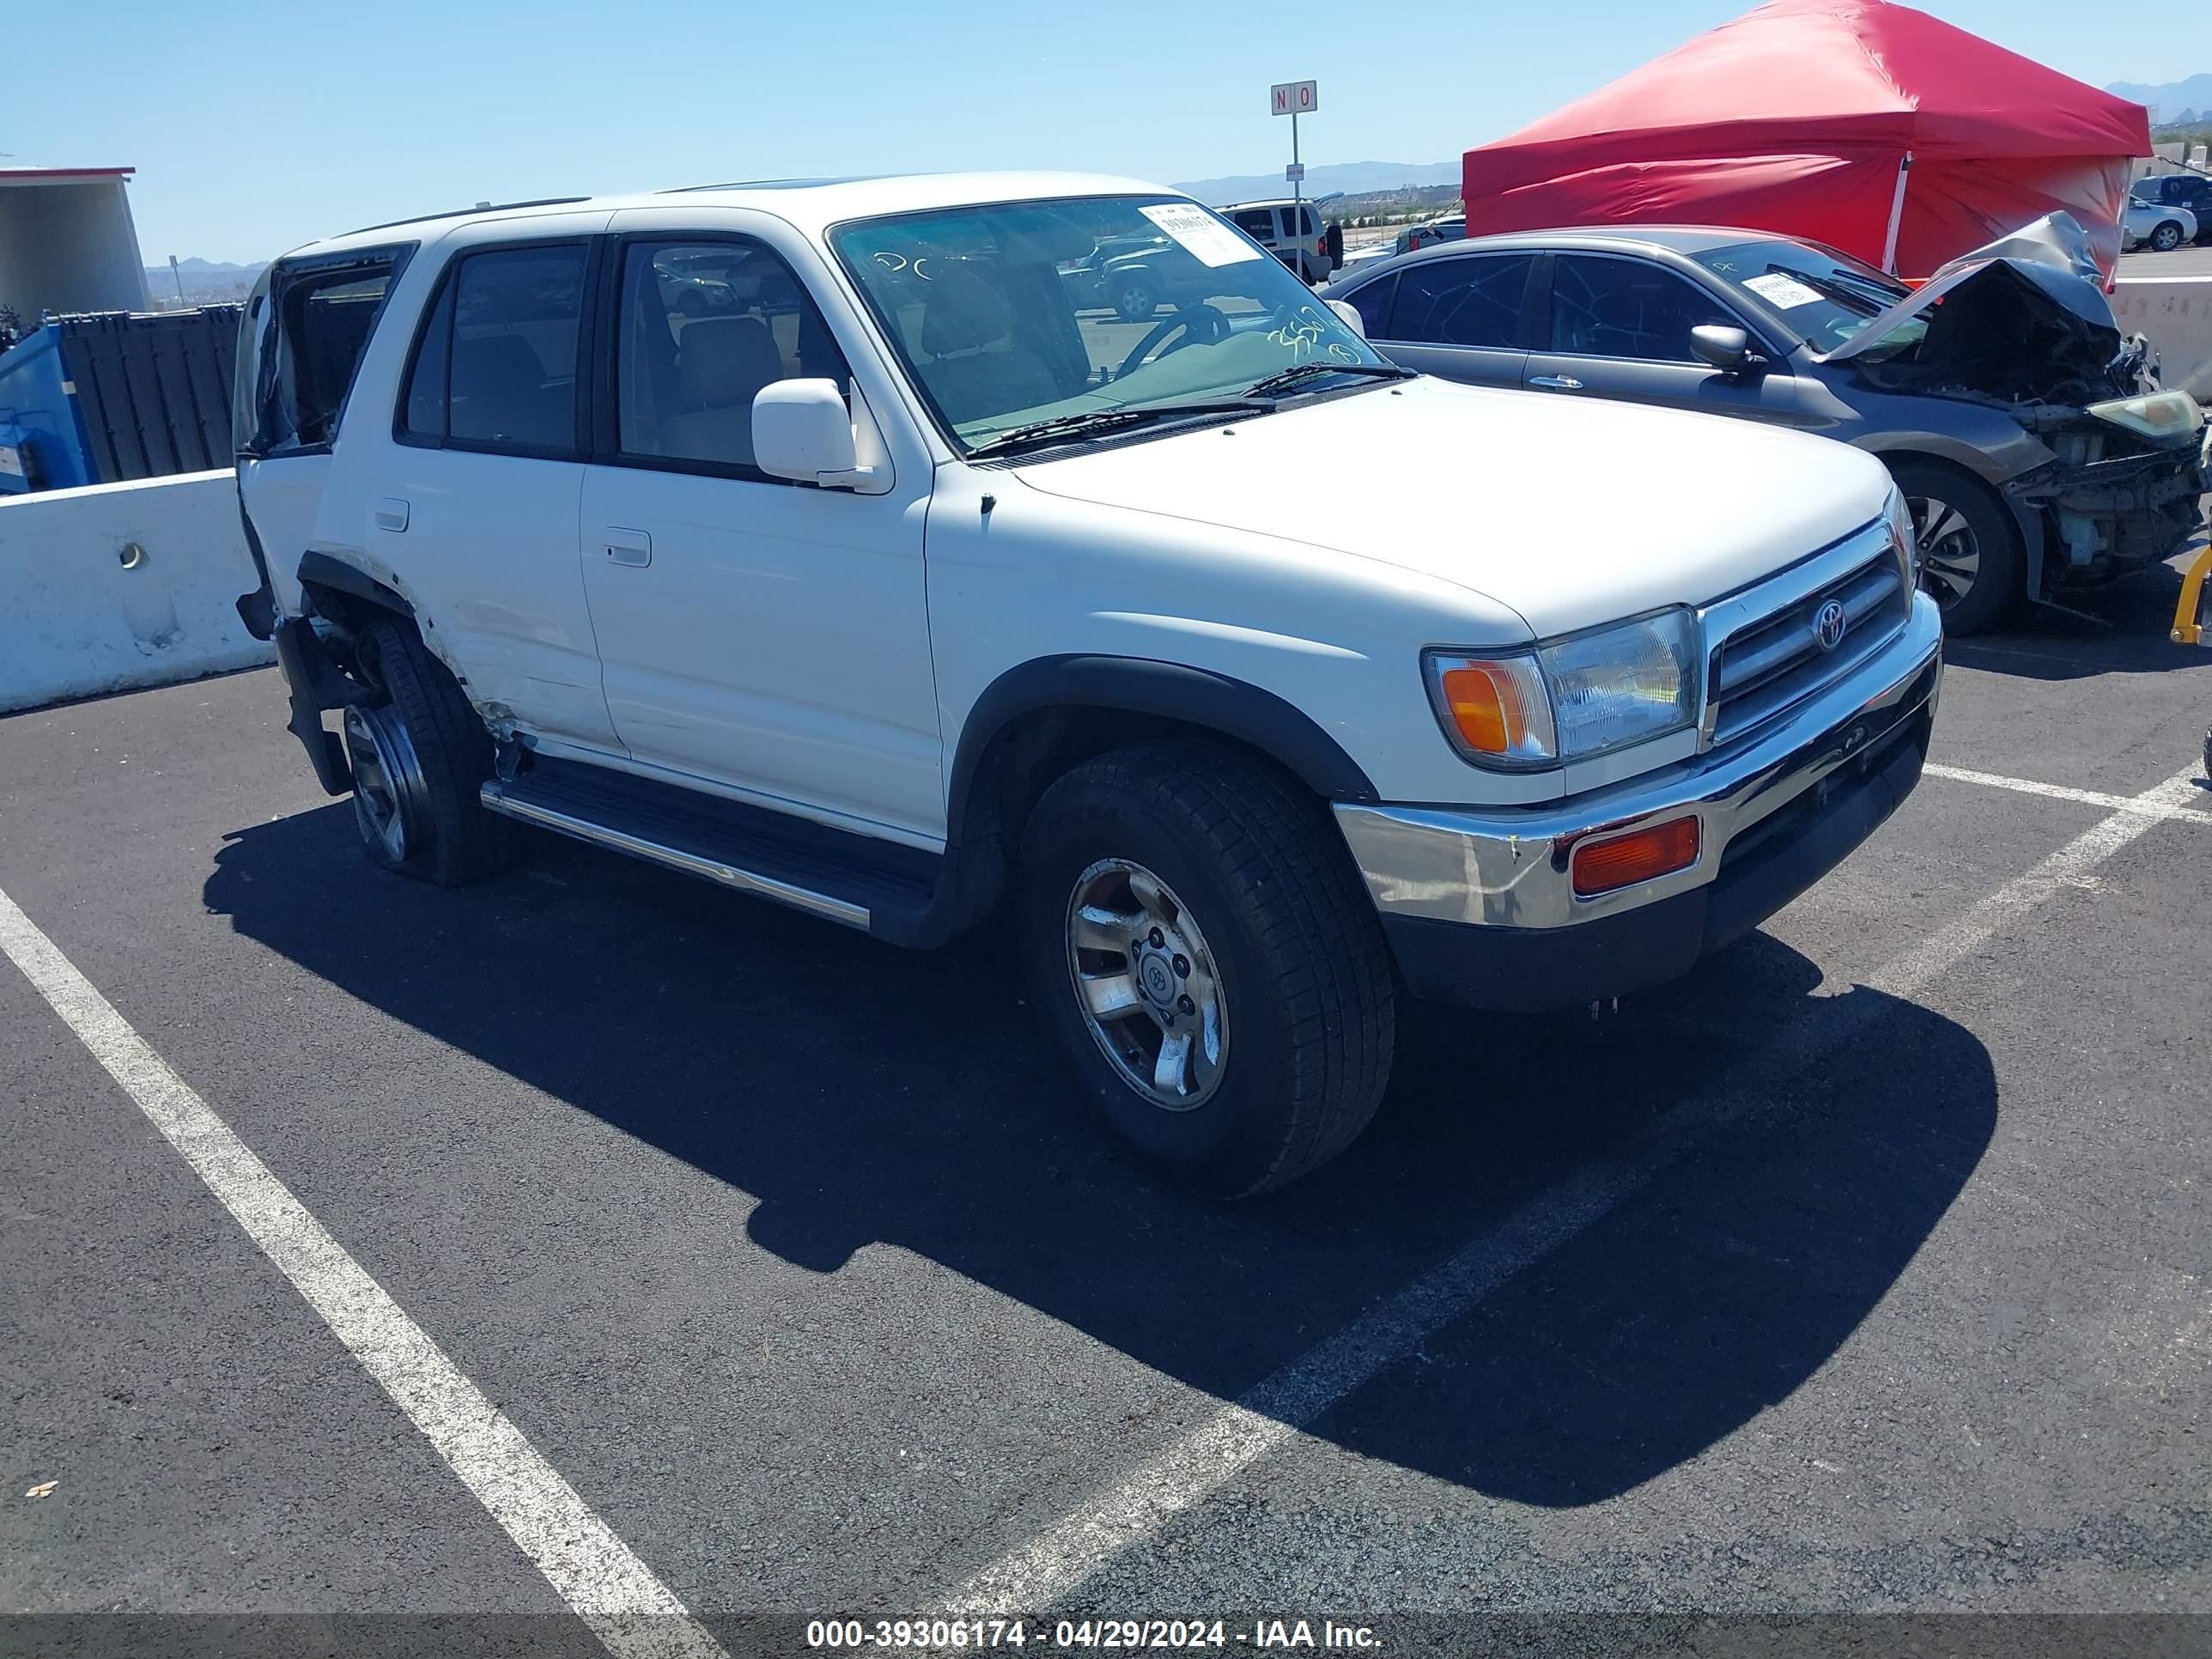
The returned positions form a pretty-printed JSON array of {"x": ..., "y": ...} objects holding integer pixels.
[{"x": 827, "y": 541}]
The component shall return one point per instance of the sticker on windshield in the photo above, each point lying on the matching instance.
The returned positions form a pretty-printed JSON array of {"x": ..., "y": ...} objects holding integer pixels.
[
  {"x": 1781, "y": 291},
  {"x": 1200, "y": 234}
]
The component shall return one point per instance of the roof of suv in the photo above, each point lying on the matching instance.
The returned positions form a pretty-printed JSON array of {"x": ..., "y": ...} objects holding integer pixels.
[{"x": 809, "y": 204}]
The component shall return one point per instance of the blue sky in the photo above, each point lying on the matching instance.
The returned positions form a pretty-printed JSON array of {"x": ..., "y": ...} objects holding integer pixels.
[{"x": 256, "y": 127}]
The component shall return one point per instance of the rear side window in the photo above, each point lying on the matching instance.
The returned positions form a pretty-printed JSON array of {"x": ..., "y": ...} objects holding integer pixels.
[
  {"x": 495, "y": 366},
  {"x": 1461, "y": 302},
  {"x": 318, "y": 314}
]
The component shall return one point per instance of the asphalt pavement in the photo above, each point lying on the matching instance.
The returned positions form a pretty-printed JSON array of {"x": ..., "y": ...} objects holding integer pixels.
[{"x": 1863, "y": 1271}]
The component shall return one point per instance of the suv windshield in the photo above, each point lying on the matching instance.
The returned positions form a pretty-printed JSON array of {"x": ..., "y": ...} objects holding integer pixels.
[
  {"x": 1825, "y": 296},
  {"x": 1104, "y": 312}
]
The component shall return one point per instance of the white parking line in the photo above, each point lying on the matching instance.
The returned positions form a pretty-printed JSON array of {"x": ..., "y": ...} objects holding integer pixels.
[
  {"x": 2164, "y": 808},
  {"x": 1040, "y": 1572},
  {"x": 632, "y": 1613}
]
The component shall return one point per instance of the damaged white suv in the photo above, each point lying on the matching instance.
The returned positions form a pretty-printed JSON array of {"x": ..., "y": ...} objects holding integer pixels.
[{"x": 826, "y": 541}]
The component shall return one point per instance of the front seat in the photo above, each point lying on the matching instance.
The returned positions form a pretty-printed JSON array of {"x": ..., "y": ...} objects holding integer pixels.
[
  {"x": 965, "y": 319},
  {"x": 723, "y": 363}
]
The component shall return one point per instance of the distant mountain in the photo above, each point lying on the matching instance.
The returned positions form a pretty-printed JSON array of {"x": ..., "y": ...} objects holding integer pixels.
[
  {"x": 205, "y": 280},
  {"x": 1348, "y": 178},
  {"x": 205, "y": 271},
  {"x": 2166, "y": 102}
]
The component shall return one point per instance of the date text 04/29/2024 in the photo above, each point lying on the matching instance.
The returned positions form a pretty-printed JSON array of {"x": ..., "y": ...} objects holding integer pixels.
[{"x": 1123, "y": 1634}]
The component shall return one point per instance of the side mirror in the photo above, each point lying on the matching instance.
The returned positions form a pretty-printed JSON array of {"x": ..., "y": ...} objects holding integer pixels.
[
  {"x": 802, "y": 430},
  {"x": 1726, "y": 348},
  {"x": 1348, "y": 315}
]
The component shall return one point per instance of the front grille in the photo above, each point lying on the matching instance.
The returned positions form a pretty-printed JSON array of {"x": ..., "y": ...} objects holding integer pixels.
[{"x": 1772, "y": 659}]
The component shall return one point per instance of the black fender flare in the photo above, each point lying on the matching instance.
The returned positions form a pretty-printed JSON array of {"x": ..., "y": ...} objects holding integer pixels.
[
  {"x": 325, "y": 570},
  {"x": 1141, "y": 685}
]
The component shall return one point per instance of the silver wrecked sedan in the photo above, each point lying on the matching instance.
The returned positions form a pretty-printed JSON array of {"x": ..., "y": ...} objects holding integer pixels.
[{"x": 2033, "y": 444}]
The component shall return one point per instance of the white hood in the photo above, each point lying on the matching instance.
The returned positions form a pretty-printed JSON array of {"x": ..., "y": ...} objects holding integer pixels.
[{"x": 1569, "y": 509}]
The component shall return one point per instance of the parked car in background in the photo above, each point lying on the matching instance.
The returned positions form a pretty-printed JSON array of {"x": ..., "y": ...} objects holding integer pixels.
[
  {"x": 1293, "y": 232},
  {"x": 2028, "y": 473},
  {"x": 1133, "y": 277},
  {"x": 1451, "y": 228},
  {"x": 2155, "y": 221},
  {"x": 901, "y": 592}
]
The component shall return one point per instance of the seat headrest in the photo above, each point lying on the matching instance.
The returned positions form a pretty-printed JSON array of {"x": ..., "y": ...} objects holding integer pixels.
[
  {"x": 726, "y": 360},
  {"x": 962, "y": 309}
]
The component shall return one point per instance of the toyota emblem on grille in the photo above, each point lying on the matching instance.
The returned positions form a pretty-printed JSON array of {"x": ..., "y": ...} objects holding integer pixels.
[{"x": 1829, "y": 622}]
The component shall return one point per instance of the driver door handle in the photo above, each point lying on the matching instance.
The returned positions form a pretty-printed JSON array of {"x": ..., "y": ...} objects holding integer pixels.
[
  {"x": 632, "y": 547},
  {"x": 1556, "y": 382}
]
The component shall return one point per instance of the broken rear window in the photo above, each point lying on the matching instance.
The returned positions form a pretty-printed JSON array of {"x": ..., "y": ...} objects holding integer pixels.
[{"x": 319, "y": 315}]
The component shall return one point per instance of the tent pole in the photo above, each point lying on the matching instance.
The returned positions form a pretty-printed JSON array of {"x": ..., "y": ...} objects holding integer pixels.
[{"x": 1896, "y": 215}]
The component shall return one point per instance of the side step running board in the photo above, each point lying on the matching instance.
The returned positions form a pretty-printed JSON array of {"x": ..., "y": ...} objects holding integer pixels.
[{"x": 508, "y": 800}]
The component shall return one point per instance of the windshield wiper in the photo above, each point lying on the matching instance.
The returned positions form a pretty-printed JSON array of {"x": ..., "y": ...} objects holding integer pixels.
[
  {"x": 1298, "y": 373},
  {"x": 1107, "y": 420}
]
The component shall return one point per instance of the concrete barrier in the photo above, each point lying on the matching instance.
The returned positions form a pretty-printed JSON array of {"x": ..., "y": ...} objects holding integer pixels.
[
  {"x": 123, "y": 585},
  {"x": 2175, "y": 312}
]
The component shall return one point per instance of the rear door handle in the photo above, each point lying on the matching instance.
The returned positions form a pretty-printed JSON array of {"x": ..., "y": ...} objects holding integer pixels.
[
  {"x": 1556, "y": 382},
  {"x": 631, "y": 547},
  {"x": 391, "y": 513}
]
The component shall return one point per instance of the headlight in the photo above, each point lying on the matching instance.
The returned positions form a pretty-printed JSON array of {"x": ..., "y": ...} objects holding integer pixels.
[
  {"x": 1571, "y": 698},
  {"x": 2164, "y": 417},
  {"x": 1901, "y": 533}
]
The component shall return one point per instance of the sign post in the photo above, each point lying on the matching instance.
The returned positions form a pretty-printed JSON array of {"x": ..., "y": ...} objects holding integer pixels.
[{"x": 1294, "y": 99}]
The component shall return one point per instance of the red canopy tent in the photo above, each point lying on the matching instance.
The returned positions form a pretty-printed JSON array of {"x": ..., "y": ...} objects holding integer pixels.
[{"x": 1875, "y": 128}]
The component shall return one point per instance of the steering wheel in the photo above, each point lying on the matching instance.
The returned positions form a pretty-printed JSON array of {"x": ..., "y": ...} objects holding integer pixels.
[{"x": 1201, "y": 324}]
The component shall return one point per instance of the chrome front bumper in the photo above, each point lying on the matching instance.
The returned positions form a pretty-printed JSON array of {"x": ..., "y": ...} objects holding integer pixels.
[{"x": 1508, "y": 867}]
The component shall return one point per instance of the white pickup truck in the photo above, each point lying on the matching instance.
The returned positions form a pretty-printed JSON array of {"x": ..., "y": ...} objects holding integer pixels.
[{"x": 831, "y": 542}]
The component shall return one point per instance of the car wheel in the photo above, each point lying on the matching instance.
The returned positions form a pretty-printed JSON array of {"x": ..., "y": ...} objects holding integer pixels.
[
  {"x": 1970, "y": 556},
  {"x": 419, "y": 755},
  {"x": 2165, "y": 238},
  {"x": 1135, "y": 299},
  {"x": 1209, "y": 962}
]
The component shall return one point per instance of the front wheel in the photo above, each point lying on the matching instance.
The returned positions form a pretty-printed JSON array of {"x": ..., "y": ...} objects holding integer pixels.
[
  {"x": 1134, "y": 299},
  {"x": 1212, "y": 969},
  {"x": 2165, "y": 238},
  {"x": 1970, "y": 561}
]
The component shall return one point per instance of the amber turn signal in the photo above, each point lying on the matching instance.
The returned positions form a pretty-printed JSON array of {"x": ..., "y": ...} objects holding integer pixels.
[
  {"x": 1489, "y": 708},
  {"x": 1600, "y": 867}
]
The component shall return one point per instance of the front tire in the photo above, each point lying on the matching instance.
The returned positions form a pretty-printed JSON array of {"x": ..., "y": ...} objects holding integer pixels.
[
  {"x": 2165, "y": 238},
  {"x": 419, "y": 756},
  {"x": 1135, "y": 300},
  {"x": 1970, "y": 561},
  {"x": 1212, "y": 969}
]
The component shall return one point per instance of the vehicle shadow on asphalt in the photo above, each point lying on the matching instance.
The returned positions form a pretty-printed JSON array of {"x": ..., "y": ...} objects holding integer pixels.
[
  {"x": 864, "y": 1094},
  {"x": 2126, "y": 629}
]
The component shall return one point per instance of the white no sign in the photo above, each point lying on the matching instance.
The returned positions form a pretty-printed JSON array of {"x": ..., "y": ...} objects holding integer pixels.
[{"x": 1294, "y": 98}]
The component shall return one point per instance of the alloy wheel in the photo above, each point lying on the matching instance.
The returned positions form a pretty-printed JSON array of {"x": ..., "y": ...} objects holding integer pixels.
[
  {"x": 1950, "y": 552},
  {"x": 388, "y": 780},
  {"x": 1147, "y": 985}
]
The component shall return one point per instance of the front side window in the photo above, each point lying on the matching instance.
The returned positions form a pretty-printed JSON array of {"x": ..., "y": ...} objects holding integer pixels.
[
  {"x": 1098, "y": 310},
  {"x": 1372, "y": 302},
  {"x": 495, "y": 367},
  {"x": 1825, "y": 297},
  {"x": 1461, "y": 302},
  {"x": 705, "y": 326},
  {"x": 1258, "y": 223},
  {"x": 1626, "y": 308}
]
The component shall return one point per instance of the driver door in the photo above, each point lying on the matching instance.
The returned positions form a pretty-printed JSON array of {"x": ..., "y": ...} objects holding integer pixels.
[
  {"x": 768, "y": 636},
  {"x": 1619, "y": 327}
]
